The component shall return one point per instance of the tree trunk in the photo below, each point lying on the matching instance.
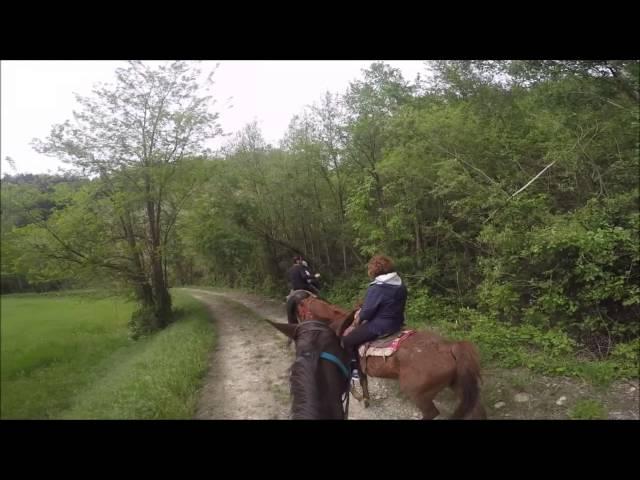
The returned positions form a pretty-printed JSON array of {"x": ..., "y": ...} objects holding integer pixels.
[
  {"x": 162, "y": 299},
  {"x": 304, "y": 236},
  {"x": 166, "y": 275},
  {"x": 418, "y": 242},
  {"x": 161, "y": 295},
  {"x": 326, "y": 249},
  {"x": 344, "y": 256}
]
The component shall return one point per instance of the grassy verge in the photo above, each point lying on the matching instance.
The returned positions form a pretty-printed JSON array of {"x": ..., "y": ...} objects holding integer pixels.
[{"x": 160, "y": 377}]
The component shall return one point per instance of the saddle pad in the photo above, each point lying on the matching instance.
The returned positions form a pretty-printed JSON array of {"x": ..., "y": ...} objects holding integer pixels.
[{"x": 385, "y": 346}]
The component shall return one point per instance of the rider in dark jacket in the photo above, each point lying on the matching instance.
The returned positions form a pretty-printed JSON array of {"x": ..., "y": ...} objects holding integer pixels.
[
  {"x": 312, "y": 278},
  {"x": 300, "y": 277},
  {"x": 296, "y": 275}
]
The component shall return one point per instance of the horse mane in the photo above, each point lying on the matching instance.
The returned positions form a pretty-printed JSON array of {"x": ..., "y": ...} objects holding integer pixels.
[
  {"x": 304, "y": 388},
  {"x": 292, "y": 303},
  {"x": 338, "y": 318}
]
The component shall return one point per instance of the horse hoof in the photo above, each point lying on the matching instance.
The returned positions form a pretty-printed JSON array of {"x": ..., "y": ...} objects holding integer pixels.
[{"x": 366, "y": 403}]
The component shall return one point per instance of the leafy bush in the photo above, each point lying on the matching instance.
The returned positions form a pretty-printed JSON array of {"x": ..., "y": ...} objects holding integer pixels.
[
  {"x": 578, "y": 272},
  {"x": 548, "y": 351}
]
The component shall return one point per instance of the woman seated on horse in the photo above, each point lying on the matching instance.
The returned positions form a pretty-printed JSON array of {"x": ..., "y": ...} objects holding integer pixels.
[{"x": 383, "y": 307}]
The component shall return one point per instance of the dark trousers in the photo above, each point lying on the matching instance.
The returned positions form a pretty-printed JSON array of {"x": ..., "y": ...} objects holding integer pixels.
[{"x": 357, "y": 337}]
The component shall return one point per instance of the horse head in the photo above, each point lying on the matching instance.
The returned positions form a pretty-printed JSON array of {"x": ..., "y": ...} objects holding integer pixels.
[{"x": 319, "y": 375}]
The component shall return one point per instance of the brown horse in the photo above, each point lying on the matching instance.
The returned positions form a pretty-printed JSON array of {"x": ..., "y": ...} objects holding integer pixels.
[
  {"x": 425, "y": 363},
  {"x": 319, "y": 377}
]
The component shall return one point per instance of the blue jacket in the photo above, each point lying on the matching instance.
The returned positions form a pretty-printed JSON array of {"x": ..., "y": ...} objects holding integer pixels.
[{"x": 384, "y": 304}]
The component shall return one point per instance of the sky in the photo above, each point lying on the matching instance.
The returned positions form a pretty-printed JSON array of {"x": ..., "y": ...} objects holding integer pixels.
[{"x": 35, "y": 95}]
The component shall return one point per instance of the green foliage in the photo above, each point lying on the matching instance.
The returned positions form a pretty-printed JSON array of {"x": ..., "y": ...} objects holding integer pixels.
[
  {"x": 505, "y": 190},
  {"x": 501, "y": 186},
  {"x": 544, "y": 350},
  {"x": 347, "y": 291},
  {"x": 588, "y": 410},
  {"x": 432, "y": 311},
  {"x": 627, "y": 358},
  {"x": 27, "y": 200},
  {"x": 578, "y": 271}
]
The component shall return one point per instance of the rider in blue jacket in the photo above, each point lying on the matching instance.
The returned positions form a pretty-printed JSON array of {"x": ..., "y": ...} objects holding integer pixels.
[{"x": 383, "y": 307}]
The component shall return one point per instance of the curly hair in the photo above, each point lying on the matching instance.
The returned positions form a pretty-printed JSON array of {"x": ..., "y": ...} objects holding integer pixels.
[{"x": 379, "y": 265}]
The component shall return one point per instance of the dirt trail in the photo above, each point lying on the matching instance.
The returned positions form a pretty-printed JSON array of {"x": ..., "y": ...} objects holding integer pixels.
[
  {"x": 249, "y": 376},
  {"x": 248, "y": 369}
]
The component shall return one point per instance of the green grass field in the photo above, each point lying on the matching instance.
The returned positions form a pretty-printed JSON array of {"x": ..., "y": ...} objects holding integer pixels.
[{"x": 69, "y": 356}]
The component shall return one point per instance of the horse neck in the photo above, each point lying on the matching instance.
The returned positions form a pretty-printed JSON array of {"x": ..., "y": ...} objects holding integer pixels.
[
  {"x": 331, "y": 405},
  {"x": 316, "y": 384},
  {"x": 325, "y": 310}
]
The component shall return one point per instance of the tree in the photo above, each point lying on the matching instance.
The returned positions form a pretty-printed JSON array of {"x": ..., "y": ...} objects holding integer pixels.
[
  {"x": 330, "y": 120},
  {"x": 370, "y": 103},
  {"x": 132, "y": 139},
  {"x": 28, "y": 199}
]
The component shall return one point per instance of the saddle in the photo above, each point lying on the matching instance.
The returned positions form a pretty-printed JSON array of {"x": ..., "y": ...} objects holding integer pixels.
[{"x": 384, "y": 346}]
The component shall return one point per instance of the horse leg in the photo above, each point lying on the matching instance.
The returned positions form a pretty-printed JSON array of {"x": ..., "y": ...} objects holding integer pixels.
[
  {"x": 424, "y": 401},
  {"x": 427, "y": 407},
  {"x": 420, "y": 394},
  {"x": 364, "y": 383}
]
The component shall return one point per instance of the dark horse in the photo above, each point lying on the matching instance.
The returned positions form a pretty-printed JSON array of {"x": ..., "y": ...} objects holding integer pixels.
[
  {"x": 425, "y": 363},
  {"x": 319, "y": 375}
]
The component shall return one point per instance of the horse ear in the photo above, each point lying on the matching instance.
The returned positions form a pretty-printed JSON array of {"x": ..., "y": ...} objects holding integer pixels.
[
  {"x": 287, "y": 328},
  {"x": 346, "y": 322}
]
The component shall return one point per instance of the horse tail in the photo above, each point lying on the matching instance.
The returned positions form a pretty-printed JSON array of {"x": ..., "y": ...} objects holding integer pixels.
[
  {"x": 292, "y": 304},
  {"x": 467, "y": 382}
]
